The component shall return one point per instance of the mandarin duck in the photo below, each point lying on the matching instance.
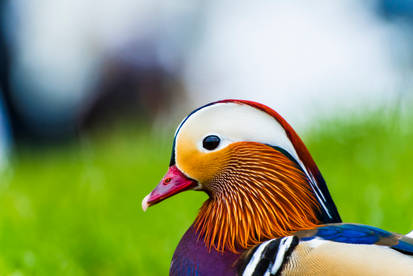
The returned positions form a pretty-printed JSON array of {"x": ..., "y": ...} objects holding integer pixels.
[{"x": 269, "y": 211}]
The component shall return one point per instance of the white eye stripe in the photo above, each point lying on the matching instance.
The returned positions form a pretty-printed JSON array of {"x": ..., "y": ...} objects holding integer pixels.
[{"x": 237, "y": 123}]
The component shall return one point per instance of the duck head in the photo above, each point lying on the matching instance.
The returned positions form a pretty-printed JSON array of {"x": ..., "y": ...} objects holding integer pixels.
[{"x": 261, "y": 180}]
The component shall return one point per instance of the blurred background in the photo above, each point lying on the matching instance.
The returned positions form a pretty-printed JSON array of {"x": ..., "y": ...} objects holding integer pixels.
[{"x": 91, "y": 91}]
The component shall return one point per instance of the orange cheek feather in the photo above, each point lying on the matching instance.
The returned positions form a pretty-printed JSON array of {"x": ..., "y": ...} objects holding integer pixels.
[
  {"x": 256, "y": 193},
  {"x": 201, "y": 166}
]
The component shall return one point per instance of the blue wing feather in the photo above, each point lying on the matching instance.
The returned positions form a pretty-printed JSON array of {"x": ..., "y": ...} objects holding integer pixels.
[
  {"x": 359, "y": 234},
  {"x": 405, "y": 247}
]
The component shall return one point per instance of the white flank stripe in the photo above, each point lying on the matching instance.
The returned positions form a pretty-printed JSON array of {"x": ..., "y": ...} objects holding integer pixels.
[
  {"x": 410, "y": 235},
  {"x": 255, "y": 259},
  {"x": 284, "y": 245}
]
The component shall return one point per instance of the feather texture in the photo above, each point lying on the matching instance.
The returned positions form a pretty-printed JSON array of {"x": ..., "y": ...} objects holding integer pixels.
[{"x": 259, "y": 194}]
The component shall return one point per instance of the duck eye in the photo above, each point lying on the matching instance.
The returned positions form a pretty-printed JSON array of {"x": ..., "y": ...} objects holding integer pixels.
[{"x": 211, "y": 142}]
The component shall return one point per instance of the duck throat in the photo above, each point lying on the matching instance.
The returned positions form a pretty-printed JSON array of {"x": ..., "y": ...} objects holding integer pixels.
[{"x": 259, "y": 194}]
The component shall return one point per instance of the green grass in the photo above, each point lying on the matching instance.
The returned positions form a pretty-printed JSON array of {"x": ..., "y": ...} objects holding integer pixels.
[{"x": 76, "y": 210}]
